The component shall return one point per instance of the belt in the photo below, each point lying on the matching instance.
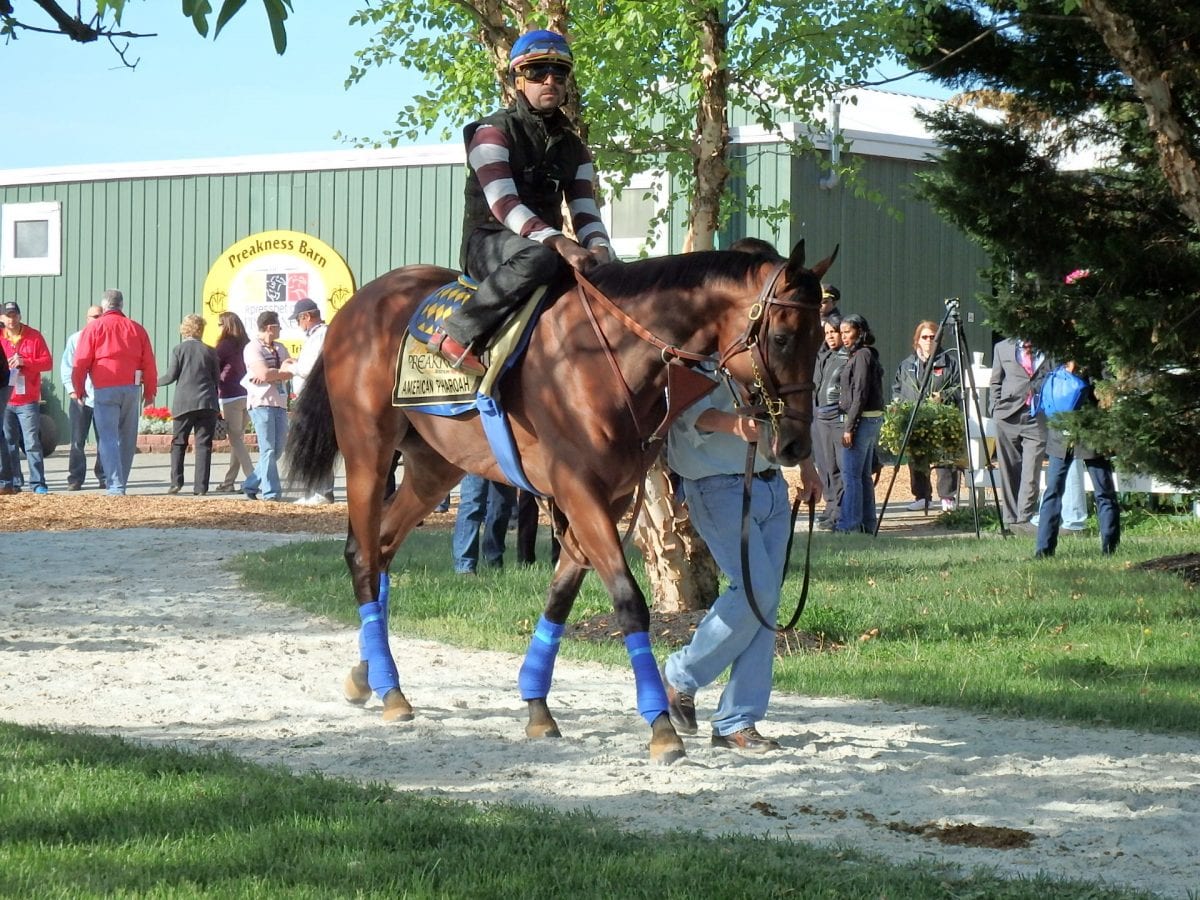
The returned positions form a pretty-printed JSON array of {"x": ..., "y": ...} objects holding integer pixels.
[
  {"x": 873, "y": 414},
  {"x": 767, "y": 475}
]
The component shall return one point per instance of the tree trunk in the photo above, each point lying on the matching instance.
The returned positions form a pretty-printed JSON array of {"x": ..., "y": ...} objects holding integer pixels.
[
  {"x": 681, "y": 571},
  {"x": 712, "y": 134},
  {"x": 1152, "y": 81}
]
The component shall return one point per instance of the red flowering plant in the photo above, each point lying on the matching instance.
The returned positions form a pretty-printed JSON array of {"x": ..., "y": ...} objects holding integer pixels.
[{"x": 155, "y": 420}]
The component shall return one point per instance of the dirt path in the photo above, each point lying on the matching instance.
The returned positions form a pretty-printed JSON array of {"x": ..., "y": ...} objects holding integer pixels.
[{"x": 166, "y": 649}]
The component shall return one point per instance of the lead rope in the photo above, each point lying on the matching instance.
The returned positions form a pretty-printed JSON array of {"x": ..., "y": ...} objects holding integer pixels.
[{"x": 747, "y": 487}]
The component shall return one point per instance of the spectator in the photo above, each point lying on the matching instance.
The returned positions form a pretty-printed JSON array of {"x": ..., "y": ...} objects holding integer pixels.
[
  {"x": 266, "y": 385},
  {"x": 28, "y": 357},
  {"x": 194, "y": 369},
  {"x": 1062, "y": 448},
  {"x": 861, "y": 404},
  {"x": 830, "y": 298},
  {"x": 1074, "y": 499},
  {"x": 481, "y": 503},
  {"x": 707, "y": 450},
  {"x": 79, "y": 414},
  {"x": 524, "y": 165},
  {"x": 115, "y": 352},
  {"x": 827, "y": 423},
  {"x": 528, "y": 514},
  {"x": 1020, "y": 436},
  {"x": 307, "y": 315},
  {"x": 944, "y": 386},
  {"x": 231, "y": 394}
]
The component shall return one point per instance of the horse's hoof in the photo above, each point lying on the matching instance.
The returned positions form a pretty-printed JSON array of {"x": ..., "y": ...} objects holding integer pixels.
[
  {"x": 396, "y": 707},
  {"x": 665, "y": 744},
  {"x": 355, "y": 687},
  {"x": 541, "y": 724}
]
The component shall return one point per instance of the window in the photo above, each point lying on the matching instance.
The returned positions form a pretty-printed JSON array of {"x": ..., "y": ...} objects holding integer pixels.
[
  {"x": 628, "y": 218},
  {"x": 31, "y": 243}
]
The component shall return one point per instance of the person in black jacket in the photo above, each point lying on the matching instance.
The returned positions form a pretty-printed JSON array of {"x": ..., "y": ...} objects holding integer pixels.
[
  {"x": 944, "y": 386},
  {"x": 827, "y": 421},
  {"x": 861, "y": 404},
  {"x": 194, "y": 369},
  {"x": 524, "y": 163}
]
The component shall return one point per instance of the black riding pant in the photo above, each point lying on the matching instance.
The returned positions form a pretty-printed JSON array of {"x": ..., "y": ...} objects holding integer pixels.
[{"x": 510, "y": 268}]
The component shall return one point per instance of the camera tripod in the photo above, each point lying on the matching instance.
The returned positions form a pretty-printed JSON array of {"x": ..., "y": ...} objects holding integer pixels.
[{"x": 968, "y": 405}]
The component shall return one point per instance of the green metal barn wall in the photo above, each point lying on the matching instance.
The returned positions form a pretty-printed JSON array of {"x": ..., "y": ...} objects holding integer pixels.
[
  {"x": 895, "y": 269},
  {"x": 155, "y": 238}
]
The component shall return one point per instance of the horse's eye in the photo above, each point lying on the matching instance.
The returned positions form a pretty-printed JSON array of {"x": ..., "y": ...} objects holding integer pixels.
[{"x": 781, "y": 340}]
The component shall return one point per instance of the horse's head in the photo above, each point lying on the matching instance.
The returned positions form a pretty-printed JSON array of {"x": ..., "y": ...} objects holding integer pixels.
[{"x": 775, "y": 356}]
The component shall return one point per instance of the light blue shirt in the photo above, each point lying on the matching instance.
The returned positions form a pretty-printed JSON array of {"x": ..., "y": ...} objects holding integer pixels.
[
  {"x": 694, "y": 454},
  {"x": 66, "y": 365}
]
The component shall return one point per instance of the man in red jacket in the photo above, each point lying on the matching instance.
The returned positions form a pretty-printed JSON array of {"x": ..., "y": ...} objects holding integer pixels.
[
  {"x": 28, "y": 357},
  {"x": 115, "y": 351}
]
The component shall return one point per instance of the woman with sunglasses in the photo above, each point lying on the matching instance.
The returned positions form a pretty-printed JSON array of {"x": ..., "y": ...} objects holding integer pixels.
[
  {"x": 523, "y": 162},
  {"x": 945, "y": 386}
]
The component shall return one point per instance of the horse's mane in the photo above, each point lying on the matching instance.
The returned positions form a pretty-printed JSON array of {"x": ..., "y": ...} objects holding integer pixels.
[{"x": 688, "y": 270}]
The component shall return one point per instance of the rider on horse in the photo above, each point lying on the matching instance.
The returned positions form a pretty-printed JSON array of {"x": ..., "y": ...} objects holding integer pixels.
[{"x": 523, "y": 162}]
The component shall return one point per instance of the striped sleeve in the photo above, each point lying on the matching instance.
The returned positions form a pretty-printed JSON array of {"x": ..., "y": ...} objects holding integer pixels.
[
  {"x": 488, "y": 156},
  {"x": 581, "y": 201}
]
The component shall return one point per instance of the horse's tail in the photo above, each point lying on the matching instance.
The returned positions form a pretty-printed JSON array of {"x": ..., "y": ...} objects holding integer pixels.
[{"x": 312, "y": 444}]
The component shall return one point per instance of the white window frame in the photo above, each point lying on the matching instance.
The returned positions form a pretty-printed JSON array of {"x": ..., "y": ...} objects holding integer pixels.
[
  {"x": 10, "y": 214},
  {"x": 653, "y": 244}
]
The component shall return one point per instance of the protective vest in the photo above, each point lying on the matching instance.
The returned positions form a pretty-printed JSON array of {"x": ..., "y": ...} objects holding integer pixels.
[{"x": 544, "y": 155}]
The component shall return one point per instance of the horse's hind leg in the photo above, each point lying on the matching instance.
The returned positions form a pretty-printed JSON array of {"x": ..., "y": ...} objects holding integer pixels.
[
  {"x": 538, "y": 669},
  {"x": 366, "y": 474},
  {"x": 427, "y": 479}
]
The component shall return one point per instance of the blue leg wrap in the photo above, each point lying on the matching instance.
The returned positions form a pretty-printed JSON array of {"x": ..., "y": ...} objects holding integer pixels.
[
  {"x": 373, "y": 647},
  {"x": 651, "y": 695},
  {"x": 538, "y": 668}
]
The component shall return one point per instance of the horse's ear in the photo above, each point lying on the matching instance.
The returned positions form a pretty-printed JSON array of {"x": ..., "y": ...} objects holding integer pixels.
[
  {"x": 796, "y": 261},
  {"x": 823, "y": 266}
]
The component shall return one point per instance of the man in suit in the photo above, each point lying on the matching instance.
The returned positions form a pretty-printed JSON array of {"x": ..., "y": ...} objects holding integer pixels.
[{"x": 1017, "y": 369}]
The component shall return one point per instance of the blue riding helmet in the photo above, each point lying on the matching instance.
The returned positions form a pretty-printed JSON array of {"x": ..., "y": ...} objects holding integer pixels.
[{"x": 539, "y": 46}]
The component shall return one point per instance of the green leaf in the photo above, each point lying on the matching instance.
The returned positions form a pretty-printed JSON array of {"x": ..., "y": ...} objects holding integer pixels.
[
  {"x": 229, "y": 9},
  {"x": 197, "y": 11}
]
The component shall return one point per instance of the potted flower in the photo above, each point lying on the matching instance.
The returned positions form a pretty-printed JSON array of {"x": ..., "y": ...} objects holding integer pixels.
[
  {"x": 937, "y": 433},
  {"x": 155, "y": 420}
]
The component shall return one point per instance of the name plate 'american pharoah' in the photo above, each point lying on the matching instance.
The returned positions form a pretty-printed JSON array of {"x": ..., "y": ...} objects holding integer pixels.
[{"x": 423, "y": 377}]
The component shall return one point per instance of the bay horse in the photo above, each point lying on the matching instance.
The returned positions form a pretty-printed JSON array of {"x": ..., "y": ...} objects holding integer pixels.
[{"x": 582, "y": 403}]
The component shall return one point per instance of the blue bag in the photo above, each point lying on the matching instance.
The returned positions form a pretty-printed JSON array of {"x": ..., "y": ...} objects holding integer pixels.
[{"x": 1061, "y": 392}]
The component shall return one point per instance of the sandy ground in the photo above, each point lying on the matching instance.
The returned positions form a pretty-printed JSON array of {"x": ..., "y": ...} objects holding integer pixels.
[{"x": 141, "y": 633}]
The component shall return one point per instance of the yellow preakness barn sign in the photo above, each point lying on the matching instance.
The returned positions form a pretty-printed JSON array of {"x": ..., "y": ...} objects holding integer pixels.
[{"x": 271, "y": 270}]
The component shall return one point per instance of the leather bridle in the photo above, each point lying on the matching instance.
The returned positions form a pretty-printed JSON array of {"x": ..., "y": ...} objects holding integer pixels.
[{"x": 765, "y": 394}]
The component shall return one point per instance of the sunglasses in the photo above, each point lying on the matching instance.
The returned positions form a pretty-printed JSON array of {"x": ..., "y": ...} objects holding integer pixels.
[
  {"x": 927, "y": 337},
  {"x": 540, "y": 73}
]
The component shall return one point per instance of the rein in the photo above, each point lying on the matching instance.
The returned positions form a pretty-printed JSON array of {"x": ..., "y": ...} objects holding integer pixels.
[{"x": 747, "y": 584}]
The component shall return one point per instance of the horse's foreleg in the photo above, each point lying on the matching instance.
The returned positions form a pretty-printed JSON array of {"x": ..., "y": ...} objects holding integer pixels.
[
  {"x": 538, "y": 669},
  {"x": 597, "y": 536}
]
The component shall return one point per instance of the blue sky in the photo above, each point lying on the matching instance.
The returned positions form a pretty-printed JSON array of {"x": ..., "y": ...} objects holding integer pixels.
[{"x": 190, "y": 97}]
